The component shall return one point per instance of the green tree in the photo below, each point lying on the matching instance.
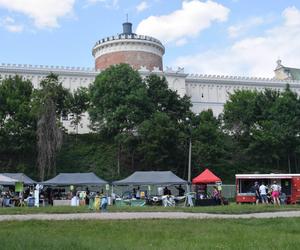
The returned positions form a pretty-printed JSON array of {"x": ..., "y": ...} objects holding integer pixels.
[
  {"x": 118, "y": 103},
  {"x": 79, "y": 103},
  {"x": 118, "y": 100},
  {"x": 240, "y": 112},
  {"x": 144, "y": 117},
  {"x": 51, "y": 102},
  {"x": 160, "y": 140},
  {"x": 163, "y": 99},
  {"x": 208, "y": 141},
  {"x": 286, "y": 123},
  {"x": 17, "y": 122},
  {"x": 265, "y": 126}
]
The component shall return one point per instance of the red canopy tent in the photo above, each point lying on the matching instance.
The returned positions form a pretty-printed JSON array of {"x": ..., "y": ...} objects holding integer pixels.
[{"x": 206, "y": 177}]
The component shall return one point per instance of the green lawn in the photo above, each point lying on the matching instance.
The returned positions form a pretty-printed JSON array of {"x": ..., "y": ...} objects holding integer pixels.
[
  {"x": 231, "y": 209},
  {"x": 152, "y": 234}
]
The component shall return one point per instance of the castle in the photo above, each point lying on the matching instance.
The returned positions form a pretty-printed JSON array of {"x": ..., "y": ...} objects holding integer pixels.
[{"x": 145, "y": 54}]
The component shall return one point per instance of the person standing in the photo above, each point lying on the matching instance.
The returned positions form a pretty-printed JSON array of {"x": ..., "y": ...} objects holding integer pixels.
[
  {"x": 87, "y": 197},
  {"x": 263, "y": 193},
  {"x": 181, "y": 191},
  {"x": 275, "y": 193},
  {"x": 138, "y": 193},
  {"x": 104, "y": 202},
  {"x": 216, "y": 195},
  {"x": 167, "y": 191},
  {"x": 256, "y": 191}
]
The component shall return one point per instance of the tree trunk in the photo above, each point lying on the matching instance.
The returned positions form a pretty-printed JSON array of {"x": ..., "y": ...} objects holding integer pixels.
[{"x": 49, "y": 140}]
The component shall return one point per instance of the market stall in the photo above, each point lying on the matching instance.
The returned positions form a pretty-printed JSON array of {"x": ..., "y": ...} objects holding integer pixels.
[
  {"x": 289, "y": 183},
  {"x": 21, "y": 177},
  {"x": 20, "y": 188},
  {"x": 7, "y": 196},
  {"x": 151, "y": 185},
  {"x": 5, "y": 180},
  {"x": 202, "y": 196},
  {"x": 65, "y": 186}
]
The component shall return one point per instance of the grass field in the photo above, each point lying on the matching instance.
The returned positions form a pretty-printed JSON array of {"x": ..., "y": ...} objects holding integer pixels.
[
  {"x": 230, "y": 209},
  {"x": 152, "y": 234}
]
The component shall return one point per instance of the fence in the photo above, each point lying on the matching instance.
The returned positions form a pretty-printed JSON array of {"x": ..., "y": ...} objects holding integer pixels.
[{"x": 228, "y": 191}]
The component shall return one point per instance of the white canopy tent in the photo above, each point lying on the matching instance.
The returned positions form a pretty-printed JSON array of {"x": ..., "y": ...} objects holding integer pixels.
[{"x": 4, "y": 180}]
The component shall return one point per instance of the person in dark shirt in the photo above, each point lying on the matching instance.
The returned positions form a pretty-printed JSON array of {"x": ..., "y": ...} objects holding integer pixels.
[
  {"x": 167, "y": 191},
  {"x": 255, "y": 189},
  {"x": 181, "y": 191},
  {"x": 133, "y": 193},
  {"x": 87, "y": 197}
]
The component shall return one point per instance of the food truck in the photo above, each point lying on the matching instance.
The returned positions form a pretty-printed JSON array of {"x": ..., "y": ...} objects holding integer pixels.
[{"x": 290, "y": 186}]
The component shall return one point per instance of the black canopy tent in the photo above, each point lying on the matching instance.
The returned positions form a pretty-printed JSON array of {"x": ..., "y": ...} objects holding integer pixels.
[
  {"x": 151, "y": 178},
  {"x": 20, "y": 177},
  {"x": 79, "y": 179}
]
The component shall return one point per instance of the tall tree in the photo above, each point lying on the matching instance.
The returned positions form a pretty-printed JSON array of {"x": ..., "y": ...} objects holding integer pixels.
[
  {"x": 118, "y": 103},
  {"x": 118, "y": 100},
  {"x": 208, "y": 141},
  {"x": 160, "y": 141},
  {"x": 163, "y": 99},
  {"x": 239, "y": 112},
  {"x": 79, "y": 103},
  {"x": 266, "y": 127},
  {"x": 51, "y": 102},
  {"x": 17, "y": 122},
  {"x": 144, "y": 117}
]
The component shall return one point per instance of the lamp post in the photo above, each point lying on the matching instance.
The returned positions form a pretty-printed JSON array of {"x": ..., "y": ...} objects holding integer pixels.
[
  {"x": 190, "y": 163},
  {"x": 190, "y": 156}
]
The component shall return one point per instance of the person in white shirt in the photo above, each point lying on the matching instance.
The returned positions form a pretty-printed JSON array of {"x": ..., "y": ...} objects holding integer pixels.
[
  {"x": 275, "y": 192},
  {"x": 263, "y": 193},
  {"x": 138, "y": 193}
]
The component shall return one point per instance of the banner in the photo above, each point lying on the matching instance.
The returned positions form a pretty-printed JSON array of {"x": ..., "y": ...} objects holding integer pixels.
[{"x": 19, "y": 187}]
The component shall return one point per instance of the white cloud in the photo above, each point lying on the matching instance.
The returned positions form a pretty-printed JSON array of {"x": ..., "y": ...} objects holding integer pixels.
[
  {"x": 235, "y": 31},
  {"x": 10, "y": 24},
  {"x": 253, "y": 56},
  {"x": 111, "y": 4},
  {"x": 181, "y": 42},
  {"x": 45, "y": 13},
  {"x": 142, "y": 6},
  {"x": 189, "y": 21},
  {"x": 292, "y": 16}
]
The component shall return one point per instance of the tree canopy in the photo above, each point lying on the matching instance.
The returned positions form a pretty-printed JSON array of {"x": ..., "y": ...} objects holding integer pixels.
[
  {"x": 265, "y": 126},
  {"x": 140, "y": 124}
]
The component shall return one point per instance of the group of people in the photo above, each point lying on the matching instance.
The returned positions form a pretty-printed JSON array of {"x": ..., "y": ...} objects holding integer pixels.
[
  {"x": 265, "y": 194},
  {"x": 10, "y": 198}
]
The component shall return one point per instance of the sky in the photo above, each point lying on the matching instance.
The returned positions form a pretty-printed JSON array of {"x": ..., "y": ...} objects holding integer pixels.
[{"x": 219, "y": 37}]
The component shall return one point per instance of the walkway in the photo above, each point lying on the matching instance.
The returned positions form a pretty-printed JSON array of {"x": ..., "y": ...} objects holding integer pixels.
[{"x": 146, "y": 215}]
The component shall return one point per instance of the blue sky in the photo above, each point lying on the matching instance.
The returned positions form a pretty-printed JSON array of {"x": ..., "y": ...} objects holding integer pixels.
[{"x": 234, "y": 37}]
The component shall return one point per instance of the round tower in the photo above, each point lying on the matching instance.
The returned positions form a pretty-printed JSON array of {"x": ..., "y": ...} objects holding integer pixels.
[{"x": 135, "y": 50}]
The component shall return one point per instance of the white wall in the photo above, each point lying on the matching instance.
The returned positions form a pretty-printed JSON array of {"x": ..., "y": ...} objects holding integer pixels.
[
  {"x": 206, "y": 92},
  {"x": 72, "y": 78}
]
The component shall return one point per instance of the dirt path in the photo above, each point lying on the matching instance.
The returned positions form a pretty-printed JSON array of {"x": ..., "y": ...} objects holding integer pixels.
[{"x": 145, "y": 215}]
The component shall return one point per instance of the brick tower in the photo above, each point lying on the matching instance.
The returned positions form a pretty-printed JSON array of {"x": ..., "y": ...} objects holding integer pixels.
[{"x": 135, "y": 50}]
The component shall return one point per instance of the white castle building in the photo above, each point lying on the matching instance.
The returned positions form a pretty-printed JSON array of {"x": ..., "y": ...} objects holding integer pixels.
[{"x": 145, "y": 54}]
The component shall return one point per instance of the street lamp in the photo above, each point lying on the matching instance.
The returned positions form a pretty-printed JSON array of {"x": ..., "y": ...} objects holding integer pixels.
[
  {"x": 190, "y": 163},
  {"x": 190, "y": 157}
]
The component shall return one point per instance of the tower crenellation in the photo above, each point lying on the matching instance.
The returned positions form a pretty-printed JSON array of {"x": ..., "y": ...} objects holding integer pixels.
[{"x": 128, "y": 47}]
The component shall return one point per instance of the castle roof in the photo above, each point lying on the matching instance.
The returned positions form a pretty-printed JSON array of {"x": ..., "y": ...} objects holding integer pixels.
[
  {"x": 291, "y": 73},
  {"x": 129, "y": 35}
]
